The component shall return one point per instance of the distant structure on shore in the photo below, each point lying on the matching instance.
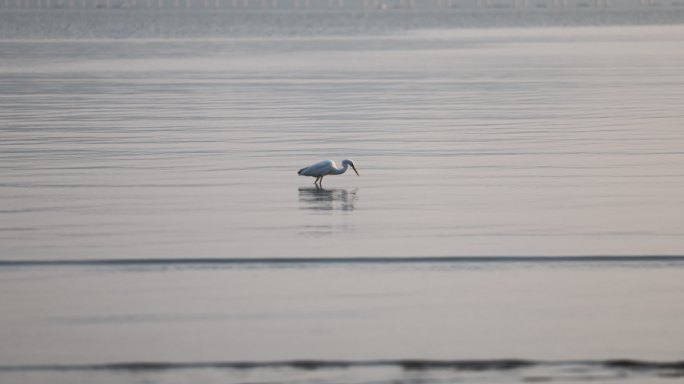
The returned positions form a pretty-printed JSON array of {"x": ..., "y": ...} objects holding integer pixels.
[{"x": 375, "y": 5}]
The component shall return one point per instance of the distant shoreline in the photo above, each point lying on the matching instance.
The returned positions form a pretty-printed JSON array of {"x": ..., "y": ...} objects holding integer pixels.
[
  {"x": 121, "y": 24},
  {"x": 343, "y": 5}
]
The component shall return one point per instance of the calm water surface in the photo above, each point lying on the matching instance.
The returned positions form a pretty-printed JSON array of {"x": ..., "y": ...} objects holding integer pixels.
[
  {"x": 554, "y": 141},
  {"x": 159, "y": 136}
]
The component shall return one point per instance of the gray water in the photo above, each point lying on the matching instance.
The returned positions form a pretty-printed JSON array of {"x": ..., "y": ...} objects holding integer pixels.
[{"x": 176, "y": 137}]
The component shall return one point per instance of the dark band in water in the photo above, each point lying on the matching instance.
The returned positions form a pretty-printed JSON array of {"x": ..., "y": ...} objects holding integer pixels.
[
  {"x": 674, "y": 367},
  {"x": 347, "y": 260}
]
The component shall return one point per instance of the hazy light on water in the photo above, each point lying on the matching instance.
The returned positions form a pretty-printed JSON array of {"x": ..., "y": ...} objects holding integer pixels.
[
  {"x": 508, "y": 142},
  {"x": 172, "y": 139}
]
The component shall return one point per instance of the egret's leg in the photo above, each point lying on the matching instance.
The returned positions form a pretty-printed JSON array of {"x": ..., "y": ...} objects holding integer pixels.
[
  {"x": 316, "y": 181},
  {"x": 321, "y": 182}
]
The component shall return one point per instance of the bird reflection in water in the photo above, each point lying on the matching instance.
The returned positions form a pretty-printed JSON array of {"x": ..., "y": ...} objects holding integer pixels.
[{"x": 322, "y": 199}]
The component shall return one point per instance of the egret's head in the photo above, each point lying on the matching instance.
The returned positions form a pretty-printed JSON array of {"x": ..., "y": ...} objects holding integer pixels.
[{"x": 351, "y": 163}]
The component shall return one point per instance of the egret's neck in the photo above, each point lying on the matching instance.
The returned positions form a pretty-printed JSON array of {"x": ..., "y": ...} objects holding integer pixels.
[{"x": 341, "y": 170}]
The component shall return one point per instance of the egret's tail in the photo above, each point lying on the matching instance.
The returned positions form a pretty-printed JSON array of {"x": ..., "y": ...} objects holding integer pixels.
[{"x": 300, "y": 171}]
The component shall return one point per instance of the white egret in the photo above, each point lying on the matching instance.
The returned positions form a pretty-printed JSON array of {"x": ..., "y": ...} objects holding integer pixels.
[{"x": 325, "y": 168}]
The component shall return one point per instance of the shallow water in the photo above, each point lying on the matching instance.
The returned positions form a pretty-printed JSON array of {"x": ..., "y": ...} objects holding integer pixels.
[
  {"x": 473, "y": 321},
  {"x": 161, "y": 163},
  {"x": 535, "y": 141}
]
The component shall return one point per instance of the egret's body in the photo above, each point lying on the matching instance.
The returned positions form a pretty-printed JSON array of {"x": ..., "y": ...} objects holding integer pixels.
[{"x": 325, "y": 168}]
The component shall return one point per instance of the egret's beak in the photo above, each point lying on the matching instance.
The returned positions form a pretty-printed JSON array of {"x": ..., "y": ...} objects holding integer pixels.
[{"x": 354, "y": 168}]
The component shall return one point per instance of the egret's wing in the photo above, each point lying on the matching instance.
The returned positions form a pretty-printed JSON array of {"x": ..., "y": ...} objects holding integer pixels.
[{"x": 320, "y": 168}]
